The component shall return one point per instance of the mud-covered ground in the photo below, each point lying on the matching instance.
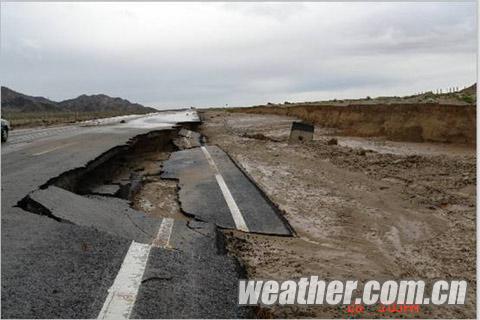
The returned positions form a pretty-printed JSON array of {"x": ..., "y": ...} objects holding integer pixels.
[
  {"x": 157, "y": 197},
  {"x": 362, "y": 209}
]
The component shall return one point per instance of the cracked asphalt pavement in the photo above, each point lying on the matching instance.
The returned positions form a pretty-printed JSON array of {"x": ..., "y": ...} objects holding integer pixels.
[{"x": 62, "y": 251}]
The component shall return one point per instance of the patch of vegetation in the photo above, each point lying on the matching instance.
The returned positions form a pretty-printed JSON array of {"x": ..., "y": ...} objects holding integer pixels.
[{"x": 468, "y": 99}]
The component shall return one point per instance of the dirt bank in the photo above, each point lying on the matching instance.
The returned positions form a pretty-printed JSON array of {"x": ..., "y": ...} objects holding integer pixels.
[
  {"x": 398, "y": 122},
  {"x": 404, "y": 214}
]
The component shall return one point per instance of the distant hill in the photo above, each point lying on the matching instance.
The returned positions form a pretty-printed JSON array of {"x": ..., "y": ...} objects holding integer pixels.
[
  {"x": 102, "y": 103},
  {"x": 13, "y": 101}
]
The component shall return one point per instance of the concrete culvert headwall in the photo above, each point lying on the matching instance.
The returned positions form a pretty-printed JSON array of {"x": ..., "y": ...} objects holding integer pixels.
[{"x": 398, "y": 122}]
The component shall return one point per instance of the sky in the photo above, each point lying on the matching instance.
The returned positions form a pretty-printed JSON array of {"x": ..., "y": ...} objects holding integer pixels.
[{"x": 182, "y": 54}]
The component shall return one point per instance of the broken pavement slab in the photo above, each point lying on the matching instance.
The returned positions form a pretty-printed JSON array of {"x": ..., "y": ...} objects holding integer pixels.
[
  {"x": 188, "y": 139},
  {"x": 216, "y": 190},
  {"x": 106, "y": 189},
  {"x": 106, "y": 214}
]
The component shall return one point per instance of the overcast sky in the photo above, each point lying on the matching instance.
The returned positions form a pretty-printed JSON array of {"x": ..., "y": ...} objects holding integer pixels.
[{"x": 211, "y": 54}]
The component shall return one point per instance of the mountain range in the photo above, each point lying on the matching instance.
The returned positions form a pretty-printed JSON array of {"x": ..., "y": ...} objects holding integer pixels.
[{"x": 13, "y": 101}]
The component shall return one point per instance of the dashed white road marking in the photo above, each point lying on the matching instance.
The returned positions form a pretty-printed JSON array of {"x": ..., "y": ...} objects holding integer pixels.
[
  {"x": 164, "y": 233},
  {"x": 232, "y": 205},
  {"x": 53, "y": 149},
  {"x": 123, "y": 293}
]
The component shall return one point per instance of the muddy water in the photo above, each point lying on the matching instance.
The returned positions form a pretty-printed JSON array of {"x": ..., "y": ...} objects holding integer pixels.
[{"x": 407, "y": 148}]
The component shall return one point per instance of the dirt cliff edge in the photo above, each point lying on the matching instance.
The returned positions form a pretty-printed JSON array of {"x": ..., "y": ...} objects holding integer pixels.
[{"x": 398, "y": 122}]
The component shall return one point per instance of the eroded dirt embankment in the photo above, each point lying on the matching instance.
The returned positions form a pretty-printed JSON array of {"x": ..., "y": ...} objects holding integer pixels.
[{"x": 399, "y": 122}]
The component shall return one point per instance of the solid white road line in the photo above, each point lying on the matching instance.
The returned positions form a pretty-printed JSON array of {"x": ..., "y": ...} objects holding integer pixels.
[
  {"x": 164, "y": 233},
  {"x": 53, "y": 149},
  {"x": 232, "y": 205},
  {"x": 123, "y": 293}
]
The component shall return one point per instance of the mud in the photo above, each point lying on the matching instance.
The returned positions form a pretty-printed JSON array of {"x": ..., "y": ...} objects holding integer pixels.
[
  {"x": 159, "y": 198},
  {"x": 398, "y": 211}
]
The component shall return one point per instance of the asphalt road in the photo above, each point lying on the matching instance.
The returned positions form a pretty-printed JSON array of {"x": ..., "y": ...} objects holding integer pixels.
[
  {"x": 66, "y": 265},
  {"x": 214, "y": 189}
]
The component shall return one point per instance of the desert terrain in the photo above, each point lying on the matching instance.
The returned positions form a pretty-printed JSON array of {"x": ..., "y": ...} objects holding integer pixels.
[
  {"x": 362, "y": 208},
  {"x": 382, "y": 192}
]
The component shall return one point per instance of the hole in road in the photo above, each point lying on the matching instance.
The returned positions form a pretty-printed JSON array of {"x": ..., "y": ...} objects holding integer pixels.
[{"x": 130, "y": 172}]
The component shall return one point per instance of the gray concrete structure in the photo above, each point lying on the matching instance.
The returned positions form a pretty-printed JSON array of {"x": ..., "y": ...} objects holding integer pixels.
[{"x": 301, "y": 132}]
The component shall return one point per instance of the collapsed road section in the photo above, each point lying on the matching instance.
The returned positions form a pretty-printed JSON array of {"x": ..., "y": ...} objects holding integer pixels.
[
  {"x": 214, "y": 189},
  {"x": 163, "y": 266}
]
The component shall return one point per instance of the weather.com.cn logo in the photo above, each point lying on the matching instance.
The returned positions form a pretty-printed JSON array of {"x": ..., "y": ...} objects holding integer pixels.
[{"x": 312, "y": 291}]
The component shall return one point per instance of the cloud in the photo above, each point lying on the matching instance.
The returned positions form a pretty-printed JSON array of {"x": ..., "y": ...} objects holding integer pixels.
[{"x": 203, "y": 54}]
